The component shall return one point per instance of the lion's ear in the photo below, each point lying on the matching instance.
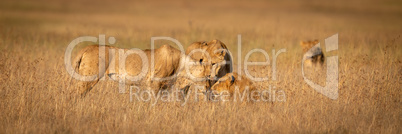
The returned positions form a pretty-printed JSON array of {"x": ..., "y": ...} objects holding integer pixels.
[
  {"x": 315, "y": 42},
  {"x": 302, "y": 43},
  {"x": 232, "y": 79},
  {"x": 213, "y": 41}
]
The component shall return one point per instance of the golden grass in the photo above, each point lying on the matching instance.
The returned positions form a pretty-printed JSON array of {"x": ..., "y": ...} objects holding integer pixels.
[{"x": 34, "y": 36}]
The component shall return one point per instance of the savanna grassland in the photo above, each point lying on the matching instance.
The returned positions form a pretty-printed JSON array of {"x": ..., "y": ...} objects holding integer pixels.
[{"x": 35, "y": 98}]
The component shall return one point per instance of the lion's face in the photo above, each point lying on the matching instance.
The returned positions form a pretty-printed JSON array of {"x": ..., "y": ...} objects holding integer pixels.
[
  {"x": 230, "y": 84},
  {"x": 199, "y": 72},
  {"x": 216, "y": 51},
  {"x": 221, "y": 86},
  {"x": 197, "y": 69},
  {"x": 313, "y": 55},
  {"x": 214, "y": 57},
  {"x": 192, "y": 73}
]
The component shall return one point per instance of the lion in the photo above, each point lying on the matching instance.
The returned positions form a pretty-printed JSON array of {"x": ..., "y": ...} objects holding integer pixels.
[
  {"x": 196, "y": 50},
  {"x": 169, "y": 65},
  {"x": 313, "y": 55},
  {"x": 215, "y": 54},
  {"x": 231, "y": 83}
]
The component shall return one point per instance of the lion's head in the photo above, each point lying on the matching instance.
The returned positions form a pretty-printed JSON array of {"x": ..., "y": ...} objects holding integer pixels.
[
  {"x": 196, "y": 50},
  {"x": 230, "y": 83},
  {"x": 313, "y": 54},
  {"x": 192, "y": 73},
  {"x": 214, "y": 55}
]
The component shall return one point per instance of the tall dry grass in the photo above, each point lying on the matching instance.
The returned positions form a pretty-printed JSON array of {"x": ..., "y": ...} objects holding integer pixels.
[{"x": 34, "y": 36}]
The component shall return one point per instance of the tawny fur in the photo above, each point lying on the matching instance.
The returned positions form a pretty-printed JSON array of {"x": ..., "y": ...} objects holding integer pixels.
[
  {"x": 215, "y": 54},
  {"x": 169, "y": 62},
  {"x": 312, "y": 54}
]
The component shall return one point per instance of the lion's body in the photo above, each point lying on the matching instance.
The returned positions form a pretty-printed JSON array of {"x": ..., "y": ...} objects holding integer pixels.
[{"x": 168, "y": 61}]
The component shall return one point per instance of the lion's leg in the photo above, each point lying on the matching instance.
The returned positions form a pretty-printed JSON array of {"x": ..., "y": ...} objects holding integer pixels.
[
  {"x": 85, "y": 87},
  {"x": 89, "y": 66},
  {"x": 155, "y": 87}
]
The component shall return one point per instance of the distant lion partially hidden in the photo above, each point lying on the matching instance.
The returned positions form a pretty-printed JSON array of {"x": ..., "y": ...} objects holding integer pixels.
[
  {"x": 312, "y": 54},
  {"x": 169, "y": 67}
]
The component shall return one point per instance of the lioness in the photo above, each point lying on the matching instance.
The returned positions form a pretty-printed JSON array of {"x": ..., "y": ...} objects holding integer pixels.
[
  {"x": 313, "y": 55},
  {"x": 196, "y": 50},
  {"x": 232, "y": 82},
  {"x": 168, "y": 62},
  {"x": 216, "y": 54}
]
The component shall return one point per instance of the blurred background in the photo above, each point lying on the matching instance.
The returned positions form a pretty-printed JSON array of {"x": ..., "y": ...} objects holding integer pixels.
[{"x": 262, "y": 23}]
